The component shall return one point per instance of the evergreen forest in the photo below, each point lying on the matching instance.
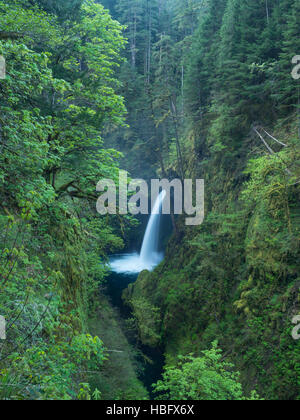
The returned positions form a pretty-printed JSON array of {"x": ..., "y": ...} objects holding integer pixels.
[{"x": 158, "y": 89}]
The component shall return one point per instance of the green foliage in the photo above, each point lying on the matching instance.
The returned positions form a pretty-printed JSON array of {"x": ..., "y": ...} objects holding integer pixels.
[
  {"x": 49, "y": 371},
  {"x": 221, "y": 95},
  {"x": 56, "y": 100},
  {"x": 210, "y": 95},
  {"x": 69, "y": 9},
  {"x": 119, "y": 375},
  {"x": 148, "y": 318},
  {"x": 208, "y": 377}
]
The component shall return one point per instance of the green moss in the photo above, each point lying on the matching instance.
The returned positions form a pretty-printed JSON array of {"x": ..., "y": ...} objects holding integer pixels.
[
  {"x": 118, "y": 378},
  {"x": 235, "y": 279}
]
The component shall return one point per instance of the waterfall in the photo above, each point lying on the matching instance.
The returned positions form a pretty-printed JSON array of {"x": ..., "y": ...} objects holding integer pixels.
[
  {"x": 149, "y": 256},
  {"x": 149, "y": 251}
]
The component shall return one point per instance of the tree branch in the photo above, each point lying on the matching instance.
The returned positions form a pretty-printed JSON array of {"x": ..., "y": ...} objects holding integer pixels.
[
  {"x": 264, "y": 142},
  {"x": 279, "y": 142}
]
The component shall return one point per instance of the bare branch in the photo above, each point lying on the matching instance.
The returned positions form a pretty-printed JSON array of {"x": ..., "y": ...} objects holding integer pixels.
[
  {"x": 271, "y": 151},
  {"x": 279, "y": 142},
  {"x": 264, "y": 142}
]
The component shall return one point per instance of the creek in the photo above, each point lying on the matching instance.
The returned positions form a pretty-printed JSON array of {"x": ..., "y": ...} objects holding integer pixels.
[{"x": 125, "y": 270}]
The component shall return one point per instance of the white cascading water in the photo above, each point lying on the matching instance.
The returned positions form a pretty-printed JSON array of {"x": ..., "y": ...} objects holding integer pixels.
[
  {"x": 149, "y": 257},
  {"x": 150, "y": 243}
]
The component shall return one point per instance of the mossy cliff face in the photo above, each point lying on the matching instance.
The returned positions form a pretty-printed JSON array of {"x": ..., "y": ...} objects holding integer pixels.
[
  {"x": 234, "y": 279},
  {"x": 146, "y": 315},
  {"x": 118, "y": 379}
]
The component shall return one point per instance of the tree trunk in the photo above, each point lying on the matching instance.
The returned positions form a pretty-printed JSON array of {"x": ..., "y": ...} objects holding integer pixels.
[{"x": 267, "y": 11}]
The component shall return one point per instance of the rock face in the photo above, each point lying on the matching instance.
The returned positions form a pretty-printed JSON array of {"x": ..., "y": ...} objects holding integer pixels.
[
  {"x": 146, "y": 315},
  {"x": 234, "y": 285},
  {"x": 118, "y": 378}
]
